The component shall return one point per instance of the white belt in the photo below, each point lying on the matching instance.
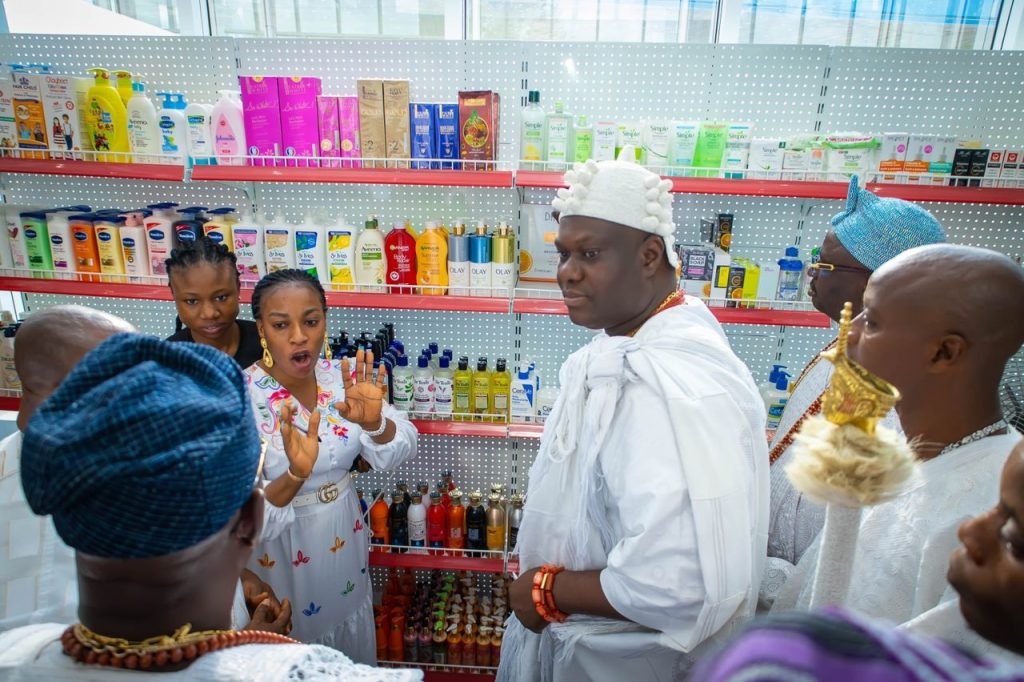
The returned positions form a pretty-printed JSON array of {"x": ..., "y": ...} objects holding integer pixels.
[{"x": 325, "y": 494}]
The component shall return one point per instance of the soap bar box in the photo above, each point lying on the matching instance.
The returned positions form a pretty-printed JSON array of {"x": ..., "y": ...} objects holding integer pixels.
[
  {"x": 300, "y": 133},
  {"x": 60, "y": 104},
  {"x": 261, "y": 114},
  {"x": 478, "y": 128},
  {"x": 30, "y": 119},
  {"x": 8, "y": 131}
]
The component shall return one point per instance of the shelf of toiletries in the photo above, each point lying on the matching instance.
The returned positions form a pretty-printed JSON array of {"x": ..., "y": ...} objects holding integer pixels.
[
  {"x": 96, "y": 169},
  {"x": 453, "y": 560},
  {"x": 521, "y": 301},
  {"x": 504, "y": 429}
]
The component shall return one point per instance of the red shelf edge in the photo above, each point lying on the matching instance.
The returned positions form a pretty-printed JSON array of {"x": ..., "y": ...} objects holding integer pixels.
[
  {"x": 10, "y": 403},
  {"x": 442, "y": 563},
  {"x": 135, "y": 171},
  {"x": 469, "y": 304},
  {"x": 944, "y": 193},
  {"x": 437, "y": 427},
  {"x": 368, "y": 176}
]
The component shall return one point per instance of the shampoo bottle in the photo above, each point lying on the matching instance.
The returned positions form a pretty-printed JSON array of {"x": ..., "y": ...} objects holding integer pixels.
[
  {"x": 558, "y": 138},
  {"x": 370, "y": 263},
  {"x": 503, "y": 260},
  {"x": 61, "y": 243},
  {"x": 481, "y": 391},
  {"x": 248, "y": 237},
  {"x": 311, "y": 248},
  {"x": 501, "y": 382},
  {"x": 444, "y": 388},
  {"x": 198, "y": 119},
  {"x": 458, "y": 261},
  {"x": 108, "y": 239},
  {"x": 432, "y": 261},
  {"x": 462, "y": 391},
  {"x": 173, "y": 129},
  {"x": 583, "y": 140},
  {"x": 423, "y": 388},
  {"x": 160, "y": 235},
  {"x": 133, "y": 245},
  {"x": 480, "y": 262},
  {"x": 218, "y": 227},
  {"x": 402, "y": 385},
  {"x": 125, "y": 86},
  {"x": 143, "y": 127},
  {"x": 531, "y": 139},
  {"x": 228, "y": 129},
  {"x": 341, "y": 253},
  {"x": 108, "y": 120},
  {"x": 280, "y": 244},
  {"x": 400, "y": 246}
]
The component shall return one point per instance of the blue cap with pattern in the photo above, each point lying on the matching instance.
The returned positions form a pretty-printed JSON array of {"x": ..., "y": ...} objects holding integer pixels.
[
  {"x": 145, "y": 449},
  {"x": 876, "y": 230}
]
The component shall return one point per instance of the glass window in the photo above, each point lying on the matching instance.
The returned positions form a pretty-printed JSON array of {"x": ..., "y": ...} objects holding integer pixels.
[{"x": 160, "y": 13}]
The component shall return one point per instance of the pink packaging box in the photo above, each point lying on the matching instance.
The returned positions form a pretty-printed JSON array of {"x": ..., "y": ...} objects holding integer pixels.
[
  {"x": 330, "y": 134},
  {"x": 300, "y": 129},
  {"x": 261, "y": 110},
  {"x": 348, "y": 119}
]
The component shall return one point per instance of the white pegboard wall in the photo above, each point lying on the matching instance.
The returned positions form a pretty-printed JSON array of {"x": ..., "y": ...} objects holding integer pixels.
[
  {"x": 951, "y": 92},
  {"x": 389, "y": 203},
  {"x": 197, "y": 67},
  {"x": 99, "y": 193},
  {"x": 774, "y": 87}
]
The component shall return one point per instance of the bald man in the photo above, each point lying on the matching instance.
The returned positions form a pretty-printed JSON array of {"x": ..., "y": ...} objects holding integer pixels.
[
  {"x": 41, "y": 584},
  {"x": 940, "y": 323}
]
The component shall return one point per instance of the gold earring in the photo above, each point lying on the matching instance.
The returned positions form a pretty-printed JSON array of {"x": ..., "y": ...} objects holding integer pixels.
[
  {"x": 327, "y": 349},
  {"x": 268, "y": 359}
]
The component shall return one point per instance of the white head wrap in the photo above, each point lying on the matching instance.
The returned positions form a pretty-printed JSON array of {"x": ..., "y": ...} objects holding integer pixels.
[{"x": 621, "y": 192}]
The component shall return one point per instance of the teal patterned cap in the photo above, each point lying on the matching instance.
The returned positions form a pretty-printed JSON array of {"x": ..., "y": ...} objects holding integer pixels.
[{"x": 876, "y": 230}]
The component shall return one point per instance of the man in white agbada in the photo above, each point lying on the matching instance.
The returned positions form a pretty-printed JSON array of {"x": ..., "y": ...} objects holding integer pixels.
[
  {"x": 39, "y": 583},
  {"x": 650, "y": 487},
  {"x": 939, "y": 323},
  {"x": 867, "y": 234}
]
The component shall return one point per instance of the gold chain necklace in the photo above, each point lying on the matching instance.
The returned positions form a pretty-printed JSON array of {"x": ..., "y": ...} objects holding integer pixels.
[{"x": 672, "y": 299}]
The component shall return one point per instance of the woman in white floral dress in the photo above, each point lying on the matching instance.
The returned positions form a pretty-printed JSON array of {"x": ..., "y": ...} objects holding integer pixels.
[{"x": 315, "y": 548}]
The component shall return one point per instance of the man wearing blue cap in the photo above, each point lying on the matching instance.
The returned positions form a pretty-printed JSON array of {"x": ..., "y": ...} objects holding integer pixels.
[
  {"x": 867, "y": 234},
  {"x": 147, "y": 460}
]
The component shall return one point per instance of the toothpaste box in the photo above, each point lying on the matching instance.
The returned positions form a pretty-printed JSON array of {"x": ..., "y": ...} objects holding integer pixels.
[
  {"x": 300, "y": 132},
  {"x": 942, "y": 166},
  {"x": 893, "y": 156},
  {"x": 371, "y": 121},
  {"x": 1011, "y": 173},
  {"x": 60, "y": 103},
  {"x": 348, "y": 123},
  {"x": 921, "y": 151},
  {"x": 993, "y": 168},
  {"x": 447, "y": 136},
  {"x": 29, "y": 117},
  {"x": 330, "y": 131},
  {"x": 423, "y": 119},
  {"x": 261, "y": 112},
  {"x": 8, "y": 131},
  {"x": 396, "y": 122},
  {"x": 766, "y": 158},
  {"x": 979, "y": 162}
]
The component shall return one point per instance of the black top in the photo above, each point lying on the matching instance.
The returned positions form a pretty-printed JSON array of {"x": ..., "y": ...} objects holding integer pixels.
[{"x": 249, "y": 350}]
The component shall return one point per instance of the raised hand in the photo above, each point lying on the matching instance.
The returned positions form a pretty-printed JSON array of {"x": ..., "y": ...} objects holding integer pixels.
[
  {"x": 301, "y": 449},
  {"x": 364, "y": 397}
]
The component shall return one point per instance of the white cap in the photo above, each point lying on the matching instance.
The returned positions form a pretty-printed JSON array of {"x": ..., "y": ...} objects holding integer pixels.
[{"x": 621, "y": 192}]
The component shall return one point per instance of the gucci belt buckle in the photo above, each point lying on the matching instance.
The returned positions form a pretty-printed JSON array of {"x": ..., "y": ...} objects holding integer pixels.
[{"x": 327, "y": 493}]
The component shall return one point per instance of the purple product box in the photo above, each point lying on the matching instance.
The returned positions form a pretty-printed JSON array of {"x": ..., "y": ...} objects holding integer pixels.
[
  {"x": 447, "y": 134},
  {"x": 300, "y": 129},
  {"x": 422, "y": 119},
  {"x": 261, "y": 111},
  {"x": 330, "y": 131},
  {"x": 348, "y": 123}
]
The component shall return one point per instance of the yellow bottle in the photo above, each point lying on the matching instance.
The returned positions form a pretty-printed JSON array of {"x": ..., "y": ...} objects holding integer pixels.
[
  {"x": 432, "y": 261},
  {"x": 108, "y": 119},
  {"x": 481, "y": 392},
  {"x": 462, "y": 391},
  {"x": 218, "y": 228},
  {"x": 108, "y": 241},
  {"x": 124, "y": 85},
  {"x": 501, "y": 387}
]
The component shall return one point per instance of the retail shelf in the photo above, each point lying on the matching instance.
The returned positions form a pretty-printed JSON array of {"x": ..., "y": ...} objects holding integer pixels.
[
  {"x": 437, "y": 672},
  {"x": 98, "y": 169},
  {"x": 487, "y": 564},
  {"x": 736, "y": 187},
  {"x": 763, "y": 316},
  {"x": 10, "y": 403},
  {"x": 158, "y": 291},
  {"x": 362, "y": 176},
  {"x": 944, "y": 193},
  {"x": 437, "y": 427}
]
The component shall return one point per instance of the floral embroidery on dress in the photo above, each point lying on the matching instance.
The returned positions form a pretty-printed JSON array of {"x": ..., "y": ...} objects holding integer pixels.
[
  {"x": 300, "y": 558},
  {"x": 312, "y": 610},
  {"x": 266, "y": 561},
  {"x": 349, "y": 586},
  {"x": 358, "y": 527},
  {"x": 338, "y": 544},
  {"x": 340, "y": 431}
]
